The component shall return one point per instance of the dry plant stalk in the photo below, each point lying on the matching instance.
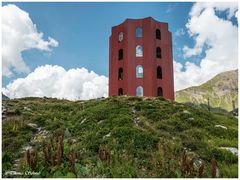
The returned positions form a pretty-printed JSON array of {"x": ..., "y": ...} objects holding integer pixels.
[
  {"x": 54, "y": 151},
  {"x": 201, "y": 169},
  {"x": 62, "y": 143},
  {"x": 72, "y": 160},
  {"x": 183, "y": 163},
  {"x": 60, "y": 148},
  {"x": 187, "y": 165},
  {"x": 107, "y": 154},
  {"x": 213, "y": 167},
  {"x": 100, "y": 153},
  {"x": 28, "y": 157},
  {"x": 191, "y": 166},
  {"x": 47, "y": 153},
  {"x": 32, "y": 158},
  {"x": 104, "y": 153}
]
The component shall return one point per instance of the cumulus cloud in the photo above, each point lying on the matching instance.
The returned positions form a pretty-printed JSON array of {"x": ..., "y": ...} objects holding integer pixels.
[
  {"x": 179, "y": 32},
  {"x": 55, "y": 81},
  {"x": 230, "y": 7},
  {"x": 215, "y": 37},
  {"x": 20, "y": 34}
]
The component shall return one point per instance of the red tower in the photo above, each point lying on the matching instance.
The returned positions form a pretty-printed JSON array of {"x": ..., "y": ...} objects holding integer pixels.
[{"x": 140, "y": 59}]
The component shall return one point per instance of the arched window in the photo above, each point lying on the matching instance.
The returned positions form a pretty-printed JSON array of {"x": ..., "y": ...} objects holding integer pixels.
[
  {"x": 138, "y": 32},
  {"x": 158, "y": 34},
  {"x": 120, "y": 54},
  {"x": 159, "y": 52},
  {"x": 159, "y": 91},
  {"x": 139, "y": 51},
  {"x": 139, "y": 71},
  {"x": 120, "y": 74},
  {"x": 139, "y": 91},
  {"x": 120, "y": 36},
  {"x": 120, "y": 91},
  {"x": 159, "y": 72}
]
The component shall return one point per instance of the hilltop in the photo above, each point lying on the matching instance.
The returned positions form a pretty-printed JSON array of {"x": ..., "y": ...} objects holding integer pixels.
[
  {"x": 4, "y": 97},
  {"x": 116, "y": 137},
  {"x": 220, "y": 90}
]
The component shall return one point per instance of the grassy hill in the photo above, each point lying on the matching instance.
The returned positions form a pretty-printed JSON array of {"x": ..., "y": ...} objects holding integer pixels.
[
  {"x": 116, "y": 137},
  {"x": 220, "y": 90}
]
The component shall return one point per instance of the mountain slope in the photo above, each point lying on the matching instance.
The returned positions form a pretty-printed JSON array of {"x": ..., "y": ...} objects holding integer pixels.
[
  {"x": 220, "y": 90},
  {"x": 116, "y": 137},
  {"x": 4, "y": 97}
]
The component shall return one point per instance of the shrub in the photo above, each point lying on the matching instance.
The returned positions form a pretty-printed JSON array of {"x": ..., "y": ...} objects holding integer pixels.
[
  {"x": 140, "y": 139},
  {"x": 18, "y": 111}
]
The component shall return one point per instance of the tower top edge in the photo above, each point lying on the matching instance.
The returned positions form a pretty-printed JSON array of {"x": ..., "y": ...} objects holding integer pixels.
[{"x": 138, "y": 19}]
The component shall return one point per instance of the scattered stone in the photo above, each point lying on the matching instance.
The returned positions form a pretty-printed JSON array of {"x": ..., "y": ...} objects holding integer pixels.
[
  {"x": 73, "y": 141},
  {"x": 191, "y": 119},
  {"x": 44, "y": 132},
  {"x": 17, "y": 160},
  {"x": 220, "y": 126},
  {"x": 188, "y": 150},
  {"x": 67, "y": 133},
  {"x": 83, "y": 120},
  {"x": 231, "y": 149},
  {"x": 107, "y": 135},
  {"x": 99, "y": 122},
  {"x": 40, "y": 136},
  {"x": 27, "y": 148},
  {"x": 136, "y": 119},
  {"x": 186, "y": 112},
  {"x": 32, "y": 125},
  {"x": 134, "y": 111},
  {"x": 26, "y": 108}
]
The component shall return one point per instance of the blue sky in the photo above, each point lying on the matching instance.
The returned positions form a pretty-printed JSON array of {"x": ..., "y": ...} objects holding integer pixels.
[{"x": 83, "y": 30}]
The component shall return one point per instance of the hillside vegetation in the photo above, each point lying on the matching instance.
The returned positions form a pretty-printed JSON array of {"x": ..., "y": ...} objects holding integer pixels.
[
  {"x": 221, "y": 91},
  {"x": 116, "y": 137}
]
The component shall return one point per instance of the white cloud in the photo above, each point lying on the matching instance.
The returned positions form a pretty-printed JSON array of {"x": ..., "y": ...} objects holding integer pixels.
[
  {"x": 230, "y": 7},
  {"x": 171, "y": 7},
  {"x": 19, "y": 34},
  {"x": 179, "y": 32},
  {"x": 216, "y": 37},
  {"x": 55, "y": 81},
  {"x": 236, "y": 14}
]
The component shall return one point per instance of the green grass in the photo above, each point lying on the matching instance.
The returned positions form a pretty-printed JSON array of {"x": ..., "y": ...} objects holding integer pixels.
[{"x": 153, "y": 148}]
